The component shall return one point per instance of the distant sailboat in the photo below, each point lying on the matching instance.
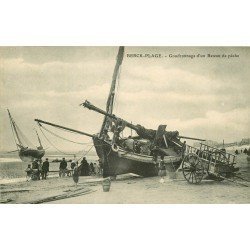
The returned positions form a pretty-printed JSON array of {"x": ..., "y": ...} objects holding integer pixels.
[{"x": 25, "y": 153}]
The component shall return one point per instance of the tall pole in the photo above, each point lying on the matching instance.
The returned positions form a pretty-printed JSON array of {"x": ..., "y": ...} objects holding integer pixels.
[
  {"x": 62, "y": 127},
  {"x": 110, "y": 102},
  {"x": 14, "y": 127},
  {"x": 39, "y": 139}
]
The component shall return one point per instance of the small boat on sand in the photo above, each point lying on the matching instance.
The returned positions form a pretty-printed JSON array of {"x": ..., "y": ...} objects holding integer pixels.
[{"x": 25, "y": 153}]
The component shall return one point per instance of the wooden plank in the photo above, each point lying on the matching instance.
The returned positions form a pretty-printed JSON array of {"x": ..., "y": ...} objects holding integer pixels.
[
  {"x": 15, "y": 190},
  {"x": 61, "y": 196},
  {"x": 57, "y": 171}
]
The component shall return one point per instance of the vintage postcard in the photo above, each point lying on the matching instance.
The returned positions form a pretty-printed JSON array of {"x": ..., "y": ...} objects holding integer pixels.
[{"x": 124, "y": 125}]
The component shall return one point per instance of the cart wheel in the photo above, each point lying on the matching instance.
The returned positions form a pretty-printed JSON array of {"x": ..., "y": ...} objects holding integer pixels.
[{"x": 192, "y": 168}]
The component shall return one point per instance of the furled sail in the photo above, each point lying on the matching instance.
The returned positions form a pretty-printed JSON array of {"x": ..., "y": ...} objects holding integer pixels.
[
  {"x": 14, "y": 130},
  {"x": 110, "y": 102}
]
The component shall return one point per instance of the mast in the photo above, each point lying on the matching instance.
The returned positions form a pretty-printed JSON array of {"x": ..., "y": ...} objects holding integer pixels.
[
  {"x": 62, "y": 127},
  {"x": 90, "y": 106},
  {"x": 110, "y": 102},
  {"x": 112, "y": 117},
  {"x": 13, "y": 125},
  {"x": 39, "y": 139}
]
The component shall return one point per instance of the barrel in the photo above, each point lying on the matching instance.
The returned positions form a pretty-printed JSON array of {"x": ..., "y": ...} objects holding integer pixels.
[{"x": 106, "y": 185}]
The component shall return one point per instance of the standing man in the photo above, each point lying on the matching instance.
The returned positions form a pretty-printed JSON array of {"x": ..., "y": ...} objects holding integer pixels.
[
  {"x": 35, "y": 164},
  {"x": 35, "y": 167},
  {"x": 72, "y": 165},
  {"x": 62, "y": 168},
  {"x": 45, "y": 169},
  {"x": 84, "y": 167}
]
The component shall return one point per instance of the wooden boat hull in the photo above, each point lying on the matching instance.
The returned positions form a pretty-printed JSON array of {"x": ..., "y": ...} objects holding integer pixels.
[
  {"x": 29, "y": 154},
  {"x": 123, "y": 162}
]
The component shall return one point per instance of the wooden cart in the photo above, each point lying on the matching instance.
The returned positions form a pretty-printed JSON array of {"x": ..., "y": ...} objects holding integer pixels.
[{"x": 208, "y": 163}]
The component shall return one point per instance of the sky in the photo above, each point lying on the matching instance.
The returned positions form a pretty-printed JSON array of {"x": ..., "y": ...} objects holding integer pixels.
[{"x": 204, "y": 97}]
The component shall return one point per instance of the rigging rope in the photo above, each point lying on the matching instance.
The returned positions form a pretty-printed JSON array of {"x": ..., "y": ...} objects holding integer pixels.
[
  {"x": 62, "y": 151},
  {"x": 81, "y": 143},
  {"x": 64, "y": 129},
  {"x": 53, "y": 144},
  {"x": 42, "y": 127},
  {"x": 85, "y": 153},
  {"x": 25, "y": 139}
]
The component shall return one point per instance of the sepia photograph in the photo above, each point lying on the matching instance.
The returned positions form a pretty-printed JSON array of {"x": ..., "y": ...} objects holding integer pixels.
[{"x": 124, "y": 125}]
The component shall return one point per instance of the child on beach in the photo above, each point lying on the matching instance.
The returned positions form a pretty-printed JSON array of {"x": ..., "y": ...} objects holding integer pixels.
[
  {"x": 28, "y": 173},
  {"x": 75, "y": 174},
  {"x": 162, "y": 169}
]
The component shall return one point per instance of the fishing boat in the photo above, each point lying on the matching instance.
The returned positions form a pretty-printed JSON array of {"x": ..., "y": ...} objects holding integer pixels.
[
  {"x": 25, "y": 153},
  {"x": 138, "y": 154}
]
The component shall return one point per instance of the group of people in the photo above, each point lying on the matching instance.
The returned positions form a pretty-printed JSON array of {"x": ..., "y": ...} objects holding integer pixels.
[
  {"x": 245, "y": 151},
  {"x": 88, "y": 169},
  {"x": 84, "y": 169},
  {"x": 37, "y": 170}
]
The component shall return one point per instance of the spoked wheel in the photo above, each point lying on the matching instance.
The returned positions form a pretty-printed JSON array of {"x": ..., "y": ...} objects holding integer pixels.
[{"x": 192, "y": 168}]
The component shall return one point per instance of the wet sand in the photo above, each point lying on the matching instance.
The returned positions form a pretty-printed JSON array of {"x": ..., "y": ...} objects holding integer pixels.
[
  {"x": 128, "y": 190},
  {"x": 151, "y": 191}
]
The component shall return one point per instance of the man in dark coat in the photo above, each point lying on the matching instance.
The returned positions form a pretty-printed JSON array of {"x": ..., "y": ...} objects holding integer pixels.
[
  {"x": 35, "y": 164},
  {"x": 45, "y": 169},
  {"x": 62, "y": 168},
  {"x": 35, "y": 167},
  {"x": 84, "y": 167}
]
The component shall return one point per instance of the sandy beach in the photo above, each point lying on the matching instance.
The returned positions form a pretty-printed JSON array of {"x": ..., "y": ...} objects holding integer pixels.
[
  {"x": 151, "y": 191},
  {"x": 125, "y": 190}
]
